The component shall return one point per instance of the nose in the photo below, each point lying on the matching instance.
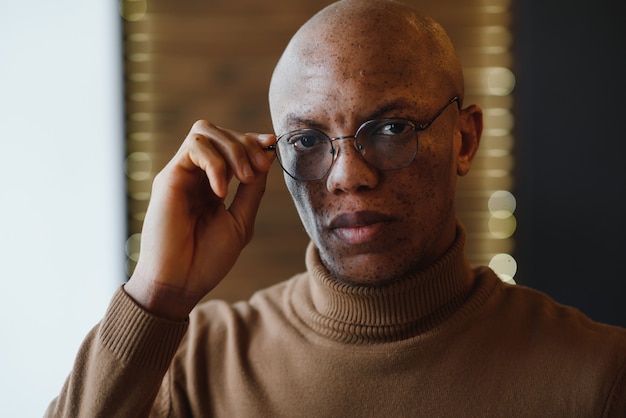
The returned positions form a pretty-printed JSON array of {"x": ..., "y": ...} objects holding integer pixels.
[{"x": 350, "y": 172}]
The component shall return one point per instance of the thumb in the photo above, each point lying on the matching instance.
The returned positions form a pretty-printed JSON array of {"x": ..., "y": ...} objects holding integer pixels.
[{"x": 246, "y": 202}]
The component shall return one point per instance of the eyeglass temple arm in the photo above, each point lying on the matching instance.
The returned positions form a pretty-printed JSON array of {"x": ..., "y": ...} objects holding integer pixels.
[{"x": 424, "y": 126}]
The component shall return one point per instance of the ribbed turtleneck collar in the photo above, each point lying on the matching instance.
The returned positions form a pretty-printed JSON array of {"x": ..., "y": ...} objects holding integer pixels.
[{"x": 400, "y": 310}]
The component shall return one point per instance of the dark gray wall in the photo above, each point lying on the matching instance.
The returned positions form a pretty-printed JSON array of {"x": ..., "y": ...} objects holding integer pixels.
[{"x": 571, "y": 153}]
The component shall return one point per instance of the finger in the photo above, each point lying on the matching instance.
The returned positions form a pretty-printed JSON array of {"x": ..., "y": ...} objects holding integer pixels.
[
  {"x": 246, "y": 204},
  {"x": 261, "y": 156},
  {"x": 201, "y": 154},
  {"x": 222, "y": 153},
  {"x": 242, "y": 149},
  {"x": 237, "y": 149}
]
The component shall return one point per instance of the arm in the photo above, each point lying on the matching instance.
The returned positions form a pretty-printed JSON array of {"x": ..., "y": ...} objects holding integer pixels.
[
  {"x": 190, "y": 240},
  {"x": 120, "y": 364}
]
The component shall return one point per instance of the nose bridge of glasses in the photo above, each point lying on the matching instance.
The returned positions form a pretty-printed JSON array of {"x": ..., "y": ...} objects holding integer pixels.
[
  {"x": 356, "y": 143},
  {"x": 338, "y": 138}
]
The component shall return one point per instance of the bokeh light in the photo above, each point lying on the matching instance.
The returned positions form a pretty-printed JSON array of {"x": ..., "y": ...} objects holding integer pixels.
[
  {"x": 133, "y": 10},
  {"x": 505, "y": 266}
]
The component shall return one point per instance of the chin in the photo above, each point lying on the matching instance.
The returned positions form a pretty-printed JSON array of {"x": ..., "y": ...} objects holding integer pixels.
[{"x": 369, "y": 270}]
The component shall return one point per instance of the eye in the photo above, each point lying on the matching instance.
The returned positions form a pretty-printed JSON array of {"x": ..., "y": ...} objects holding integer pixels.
[
  {"x": 393, "y": 128},
  {"x": 306, "y": 140}
]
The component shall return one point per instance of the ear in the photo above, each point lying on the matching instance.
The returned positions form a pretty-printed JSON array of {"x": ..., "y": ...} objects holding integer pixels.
[{"x": 470, "y": 124}]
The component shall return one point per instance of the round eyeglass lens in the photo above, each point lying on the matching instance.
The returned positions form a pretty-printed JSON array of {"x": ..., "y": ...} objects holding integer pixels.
[
  {"x": 388, "y": 144},
  {"x": 305, "y": 154}
]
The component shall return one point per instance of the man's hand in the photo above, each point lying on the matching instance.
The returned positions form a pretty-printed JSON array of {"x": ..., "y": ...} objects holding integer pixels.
[{"x": 190, "y": 240}]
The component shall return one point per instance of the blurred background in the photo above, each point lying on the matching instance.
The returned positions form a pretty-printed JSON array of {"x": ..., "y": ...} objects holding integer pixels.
[{"x": 96, "y": 96}]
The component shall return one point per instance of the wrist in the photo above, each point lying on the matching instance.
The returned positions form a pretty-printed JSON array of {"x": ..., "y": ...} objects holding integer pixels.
[{"x": 161, "y": 300}]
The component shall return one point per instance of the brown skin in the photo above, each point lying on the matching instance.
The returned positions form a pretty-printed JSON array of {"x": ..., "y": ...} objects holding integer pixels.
[
  {"x": 393, "y": 223},
  {"x": 354, "y": 61}
]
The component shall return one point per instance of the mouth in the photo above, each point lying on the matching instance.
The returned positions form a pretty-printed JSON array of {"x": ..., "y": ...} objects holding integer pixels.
[{"x": 359, "y": 227}]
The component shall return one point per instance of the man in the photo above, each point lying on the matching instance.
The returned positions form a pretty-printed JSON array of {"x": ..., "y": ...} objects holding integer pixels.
[{"x": 388, "y": 319}]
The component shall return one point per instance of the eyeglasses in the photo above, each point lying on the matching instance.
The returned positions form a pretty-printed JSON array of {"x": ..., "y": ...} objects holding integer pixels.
[{"x": 386, "y": 144}]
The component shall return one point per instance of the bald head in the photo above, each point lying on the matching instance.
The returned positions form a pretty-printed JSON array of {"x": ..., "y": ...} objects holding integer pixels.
[{"x": 354, "y": 40}]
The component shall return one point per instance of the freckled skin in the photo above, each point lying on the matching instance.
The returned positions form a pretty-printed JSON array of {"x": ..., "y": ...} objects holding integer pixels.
[{"x": 342, "y": 67}]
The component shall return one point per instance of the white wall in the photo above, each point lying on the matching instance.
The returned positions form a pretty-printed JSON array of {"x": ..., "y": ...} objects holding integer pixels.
[{"x": 61, "y": 189}]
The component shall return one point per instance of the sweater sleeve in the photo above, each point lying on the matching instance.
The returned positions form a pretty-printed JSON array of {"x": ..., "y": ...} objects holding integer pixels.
[{"x": 120, "y": 365}]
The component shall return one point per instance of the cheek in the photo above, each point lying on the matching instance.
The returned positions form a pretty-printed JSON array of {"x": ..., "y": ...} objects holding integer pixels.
[
  {"x": 434, "y": 183},
  {"x": 437, "y": 162},
  {"x": 296, "y": 191},
  {"x": 308, "y": 198}
]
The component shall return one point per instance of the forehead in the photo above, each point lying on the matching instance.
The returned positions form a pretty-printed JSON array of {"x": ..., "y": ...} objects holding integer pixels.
[
  {"x": 355, "y": 69},
  {"x": 351, "y": 107},
  {"x": 322, "y": 90}
]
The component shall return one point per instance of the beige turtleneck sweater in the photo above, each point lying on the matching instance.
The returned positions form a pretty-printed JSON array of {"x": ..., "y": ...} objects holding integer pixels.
[{"x": 450, "y": 341}]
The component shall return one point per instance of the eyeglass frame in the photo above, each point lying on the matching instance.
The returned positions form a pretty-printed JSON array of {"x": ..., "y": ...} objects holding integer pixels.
[{"x": 417, "y": 127}]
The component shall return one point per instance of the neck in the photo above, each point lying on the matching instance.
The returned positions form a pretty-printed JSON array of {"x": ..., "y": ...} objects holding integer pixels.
[{"x": 397, "y": 310}]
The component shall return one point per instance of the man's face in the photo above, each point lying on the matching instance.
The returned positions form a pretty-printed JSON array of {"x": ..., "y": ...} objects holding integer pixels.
[{"x": 372, "y": 226}]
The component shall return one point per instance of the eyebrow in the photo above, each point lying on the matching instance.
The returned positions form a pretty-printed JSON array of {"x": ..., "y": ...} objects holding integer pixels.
[
  {"x": 399, "y": 105},
  {"x": 294, "y": 120},
  {"x": 394, "y": 105}
]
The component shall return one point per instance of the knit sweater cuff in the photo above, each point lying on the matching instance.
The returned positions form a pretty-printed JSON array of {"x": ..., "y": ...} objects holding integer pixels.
[{"x": 136, "y": 337}]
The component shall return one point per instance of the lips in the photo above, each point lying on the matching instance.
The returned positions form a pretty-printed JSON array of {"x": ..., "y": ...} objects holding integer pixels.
[
  {"x": 356, "y": 219},
  {"x": 359, "y": 227}
]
